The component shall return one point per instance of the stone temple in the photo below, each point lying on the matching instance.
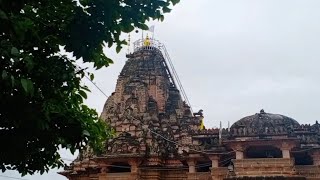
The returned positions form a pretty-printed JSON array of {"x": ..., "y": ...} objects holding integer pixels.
[{"x": 158, "y": 137}]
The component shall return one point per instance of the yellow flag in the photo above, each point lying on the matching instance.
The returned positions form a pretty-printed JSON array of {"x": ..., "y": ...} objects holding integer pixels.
[
  {"x": 202, "y": 124},
  {"x": 147, "y": 41}
]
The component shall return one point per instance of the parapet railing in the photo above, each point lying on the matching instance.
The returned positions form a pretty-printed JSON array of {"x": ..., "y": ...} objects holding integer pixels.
[{"x": 147, "y": 44}]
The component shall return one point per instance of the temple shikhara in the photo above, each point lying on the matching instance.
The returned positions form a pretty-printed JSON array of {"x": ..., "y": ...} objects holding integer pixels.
[{"x": 158, "y": 136}]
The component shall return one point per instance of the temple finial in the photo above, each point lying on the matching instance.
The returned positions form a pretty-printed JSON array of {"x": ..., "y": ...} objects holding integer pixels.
[{"x": 146, "y": 42}]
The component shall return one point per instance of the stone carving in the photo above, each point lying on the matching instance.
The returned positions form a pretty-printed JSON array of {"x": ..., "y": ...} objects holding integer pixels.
[
  {"x": 199, "y": 113},
  {"x": 146, "y": 100},
  {"x": 155, "y": 127},
  {"x": 124, "y": 143}
]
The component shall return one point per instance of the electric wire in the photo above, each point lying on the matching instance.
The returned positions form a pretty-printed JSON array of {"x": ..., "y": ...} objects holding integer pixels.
[
  {"x": 11, "y": 177},
  {"x": 96, "y": 86},
  {"x": 79, "y": 68}
]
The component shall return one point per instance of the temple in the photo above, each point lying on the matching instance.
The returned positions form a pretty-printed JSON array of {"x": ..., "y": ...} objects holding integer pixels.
[{"x": 158, "y": 137}]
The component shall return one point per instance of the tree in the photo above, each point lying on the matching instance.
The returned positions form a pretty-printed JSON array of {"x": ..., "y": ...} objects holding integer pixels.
[{"x": 41, "y": 93}]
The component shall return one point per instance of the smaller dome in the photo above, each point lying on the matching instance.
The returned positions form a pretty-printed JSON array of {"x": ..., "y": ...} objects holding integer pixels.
[
  {"x": 315, "y": 127},
  {"x": 264, "y": 123}
]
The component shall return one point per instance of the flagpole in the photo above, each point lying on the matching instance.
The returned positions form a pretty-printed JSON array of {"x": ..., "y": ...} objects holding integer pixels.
[
  {"x": 220, "y": 133},
  {"x": 153, "y": 33},
  {"x": 141, "y": 37},
  {"x": 129, "y": 39}
]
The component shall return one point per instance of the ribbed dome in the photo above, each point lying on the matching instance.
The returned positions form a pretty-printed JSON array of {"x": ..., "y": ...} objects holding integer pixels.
[{"x": 264, "y": 123}]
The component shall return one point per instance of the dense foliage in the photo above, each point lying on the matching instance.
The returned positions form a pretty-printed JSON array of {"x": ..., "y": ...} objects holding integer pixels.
[{"x": 41, "y": 97}]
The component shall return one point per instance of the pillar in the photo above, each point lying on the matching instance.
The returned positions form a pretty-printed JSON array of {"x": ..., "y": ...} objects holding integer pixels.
[
  {"x": 192, "y": 169},
  {"x": 134, "y": 164},
  {"x": 285, "y": 148},
  {"x": 103, "y": 172},
  {"x": 215, "y": 160},
  {"x": 192, "y": 165},
  {"x": 285, "y": 153},
  {"x": 239, "y": 154},
  {"x": 134, "y": 168},
  {"x": 239, "y": 149},
  {"x": 215, "y": 164}
]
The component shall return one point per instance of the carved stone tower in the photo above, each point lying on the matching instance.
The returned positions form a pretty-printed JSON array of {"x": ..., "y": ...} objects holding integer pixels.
[
  {"x": 151, "y": 121},
  {"x": 146, "y": 102}
]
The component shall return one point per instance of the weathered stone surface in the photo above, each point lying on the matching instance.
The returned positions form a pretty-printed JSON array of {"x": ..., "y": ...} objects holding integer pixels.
[
  {"x": 158, "y": 137},
  {"x": 263, "y": 124}
]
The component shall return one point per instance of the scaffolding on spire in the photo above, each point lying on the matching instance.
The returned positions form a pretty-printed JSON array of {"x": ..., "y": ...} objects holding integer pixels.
[{"x": 152, "y": 44}]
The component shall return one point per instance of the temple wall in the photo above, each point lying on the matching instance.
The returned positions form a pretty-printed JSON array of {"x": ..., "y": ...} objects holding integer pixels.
[
  {"x": 199, "y": 176},
  {"x": 263, "y": 166},
  {"x": 243, "y": 168},
  {"x": 311, "y": 172},
  {"x": 116, "y": 176},
  {"x": 219, "y": 173},
  {"x": 173, "y": 175}
]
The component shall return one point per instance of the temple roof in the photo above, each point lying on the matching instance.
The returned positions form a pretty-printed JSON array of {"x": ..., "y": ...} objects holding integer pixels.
[{"x": 265, "y": 123}]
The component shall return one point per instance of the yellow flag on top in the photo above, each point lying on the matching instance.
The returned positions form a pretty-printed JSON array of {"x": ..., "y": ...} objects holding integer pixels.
[
  {"x": 201, "y": 124},
  {"x": 146, "y": 41}
]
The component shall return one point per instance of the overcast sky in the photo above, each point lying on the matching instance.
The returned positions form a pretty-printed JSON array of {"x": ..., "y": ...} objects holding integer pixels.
[{"x": 235, "y": 57}]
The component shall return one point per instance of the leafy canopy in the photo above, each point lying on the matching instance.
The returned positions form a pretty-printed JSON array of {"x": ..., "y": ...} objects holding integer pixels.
[{"x": 41, "y": 95}]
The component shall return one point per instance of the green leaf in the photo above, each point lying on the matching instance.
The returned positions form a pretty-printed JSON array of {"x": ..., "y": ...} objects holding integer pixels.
[
  {"x": 23, "y": 173},
  {"x": 161, "y": 17},
  {"x": 29, "y": 62},
  {"x": 86, "y": 133},
  {"x": 3, "y": 15},
  {"x": 4, "y": 74},
  {"x": 85, "y": 88},
  {"x": 174, "y": 2},
  {"x": 24, "y": 83},
  {"x": 83, "y": 94},
  {"x": 109, "y": 60},
  {"x": 110, "y": 42},
  {"x": 143, "y": 26},
  {"x": 14, "y": 51},
  {"x": 118, "y": 48},
  {"x": 91, "y": 76},
  {"x": 166, "y": 9},
  {"x": 12, "y": 81},
  {"x": 127, "y": 28},
  {"x": 27, "y": 85}
]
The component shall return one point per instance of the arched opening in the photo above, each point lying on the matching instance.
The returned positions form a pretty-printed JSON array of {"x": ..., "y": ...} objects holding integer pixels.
[
  {"x": 119, "y": 167},
  {"x": 263, "y": 152},
  {"x": 303, "y": 158}
]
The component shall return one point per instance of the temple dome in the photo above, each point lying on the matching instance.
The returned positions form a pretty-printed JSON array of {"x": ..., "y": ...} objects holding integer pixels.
[{"x": 264, "y": 123}]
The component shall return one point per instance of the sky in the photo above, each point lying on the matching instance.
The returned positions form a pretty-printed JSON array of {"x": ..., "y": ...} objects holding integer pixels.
[{"x": 233, "y": 57}]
